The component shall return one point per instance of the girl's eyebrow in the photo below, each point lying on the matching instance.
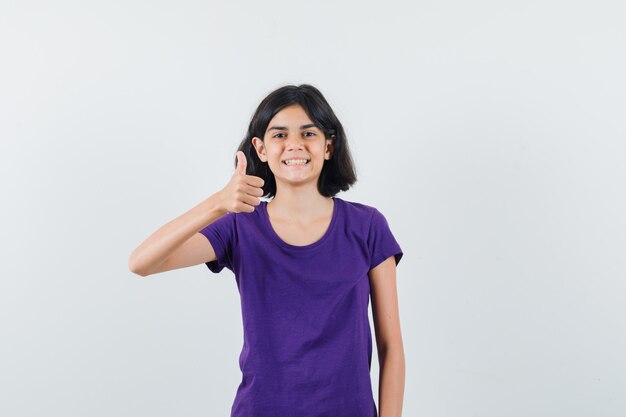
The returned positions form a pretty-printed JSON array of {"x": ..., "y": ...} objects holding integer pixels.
[{"x": 285, "y": 128}]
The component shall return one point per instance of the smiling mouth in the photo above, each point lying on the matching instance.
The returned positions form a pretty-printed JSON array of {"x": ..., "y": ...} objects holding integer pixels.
[{"x": 289, "y": 165}]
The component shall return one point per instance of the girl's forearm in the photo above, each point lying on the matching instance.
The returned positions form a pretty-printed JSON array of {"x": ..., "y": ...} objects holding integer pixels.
[
  {"x": 157, "y": 247},
  {"x": 391, "y": 382}
]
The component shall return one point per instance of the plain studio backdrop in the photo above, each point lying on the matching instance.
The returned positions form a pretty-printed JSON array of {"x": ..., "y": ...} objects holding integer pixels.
[{"x": 490, "y": 134}]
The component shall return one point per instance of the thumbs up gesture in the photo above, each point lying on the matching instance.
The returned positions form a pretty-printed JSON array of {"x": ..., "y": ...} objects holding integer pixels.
[{"x": 242, "y": 192}]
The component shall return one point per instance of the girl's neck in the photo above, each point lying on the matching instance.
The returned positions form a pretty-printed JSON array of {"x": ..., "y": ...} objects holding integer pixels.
[{"x": 305, "y": 207}]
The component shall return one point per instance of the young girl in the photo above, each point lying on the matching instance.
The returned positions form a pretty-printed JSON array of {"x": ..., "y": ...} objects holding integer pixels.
[{"x": 305, "y": 264}]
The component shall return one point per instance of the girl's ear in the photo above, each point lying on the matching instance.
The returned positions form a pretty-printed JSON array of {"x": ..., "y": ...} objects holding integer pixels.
[
  {"x": 258, "y": 146},
  {"x": 329, "y": 146}
]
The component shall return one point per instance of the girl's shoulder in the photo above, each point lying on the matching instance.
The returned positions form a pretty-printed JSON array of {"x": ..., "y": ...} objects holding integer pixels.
[{"x": 355, "y": 209}]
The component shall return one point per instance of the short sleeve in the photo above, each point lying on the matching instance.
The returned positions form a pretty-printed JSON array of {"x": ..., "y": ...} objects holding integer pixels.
[
  {"x": 381, "y": 241},
  {"x": 221, "y": 235}
]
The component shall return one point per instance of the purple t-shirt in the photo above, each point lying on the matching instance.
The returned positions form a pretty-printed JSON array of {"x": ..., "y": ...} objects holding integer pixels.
[{"x": 307, "y": 344}]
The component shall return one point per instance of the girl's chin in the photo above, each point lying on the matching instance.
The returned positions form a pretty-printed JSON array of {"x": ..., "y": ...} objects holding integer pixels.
[{"x": 294, "y": 178}]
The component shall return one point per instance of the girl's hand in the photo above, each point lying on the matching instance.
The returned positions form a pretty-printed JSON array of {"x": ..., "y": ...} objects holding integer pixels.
[{"x": 242, "y": 192}]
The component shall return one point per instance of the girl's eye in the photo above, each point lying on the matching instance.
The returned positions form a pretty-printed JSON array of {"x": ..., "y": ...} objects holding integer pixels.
[{"x": 306, "y": 133}]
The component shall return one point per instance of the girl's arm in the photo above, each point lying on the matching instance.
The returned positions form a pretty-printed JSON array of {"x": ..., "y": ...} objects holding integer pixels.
[
  {"x": 174, "y": 245},
  {"x": 388, "y": 338},
  {"x": 178, "y": 244}
]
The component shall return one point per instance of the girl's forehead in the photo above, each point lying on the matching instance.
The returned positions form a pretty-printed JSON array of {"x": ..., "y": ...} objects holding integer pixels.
[
  {"x": 293, "y": 111},
  {"x": 291, "y": 117}
]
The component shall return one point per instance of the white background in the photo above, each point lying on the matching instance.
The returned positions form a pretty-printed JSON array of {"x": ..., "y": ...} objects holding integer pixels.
[{"x": 491, "y": 134}]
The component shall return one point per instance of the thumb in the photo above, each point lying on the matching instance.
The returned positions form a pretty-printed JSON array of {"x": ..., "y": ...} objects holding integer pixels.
[{"x": 242, "y": 163}]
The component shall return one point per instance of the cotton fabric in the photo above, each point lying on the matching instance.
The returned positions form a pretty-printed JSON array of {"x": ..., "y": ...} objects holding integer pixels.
[{"x": 307, "y": 342}]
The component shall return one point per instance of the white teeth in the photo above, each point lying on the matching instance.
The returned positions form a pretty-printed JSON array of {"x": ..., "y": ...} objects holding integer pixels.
[{"x": 296, "y": 161}]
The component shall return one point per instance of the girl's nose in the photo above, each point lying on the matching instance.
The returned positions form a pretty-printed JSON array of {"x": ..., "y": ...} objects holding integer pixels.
[{"x": 295, "y": 142}]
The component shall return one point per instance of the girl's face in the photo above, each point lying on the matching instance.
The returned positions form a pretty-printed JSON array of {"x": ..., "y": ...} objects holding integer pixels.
[{"x": 292, "y": 137}]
